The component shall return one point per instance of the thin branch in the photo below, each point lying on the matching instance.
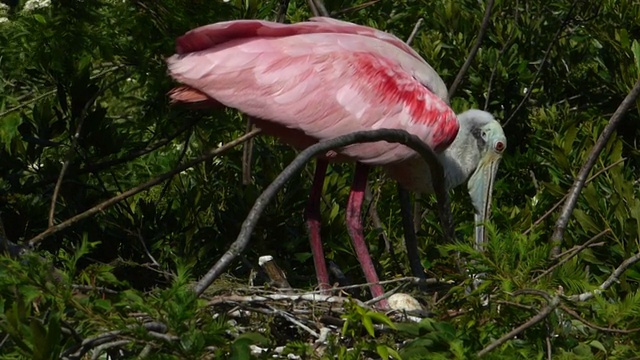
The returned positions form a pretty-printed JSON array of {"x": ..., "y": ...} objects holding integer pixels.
[
  {"x": 554, "y": 207},
  {"x": 555, "y": 38},
  {"x": 414, "y": 32},
  {"x": 294, "y": 321},
  {"x": 389, "y": 135},
  {"x": 579, "y": 183},
  {"x": 100, "y": 207},
  {"x": 575, "y": 252},
  {"x": 474, "y": 50},
  {"x": 553, "y": 304},
  {"x": 610, "y": 280},
  {"x": 355, "y": 8},
  {"x": 594, "y": 326}
]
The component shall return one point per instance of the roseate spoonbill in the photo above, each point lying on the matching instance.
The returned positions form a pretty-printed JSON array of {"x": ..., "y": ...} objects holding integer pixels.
[{"x": 316, "y": 80}]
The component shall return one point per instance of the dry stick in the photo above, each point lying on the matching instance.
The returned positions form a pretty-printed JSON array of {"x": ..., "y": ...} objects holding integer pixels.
[
  {"x": 572, "y": 254},
  {"x": 74, "y": 142},
  {"x": 553, "y": 304},
  {"x": 206, "y": 156},
  {"x": 565, "y": 22},
  {"x": 389, "y": 135},
  {"x": 414, "y": 32},
  {"x": 576, "y": 188},
  {"x": 554, "y": 207},
  {"x": 474, "y": 50},
  {"x": 594, "y": 326},
  {"x": 610, "y": 280}
]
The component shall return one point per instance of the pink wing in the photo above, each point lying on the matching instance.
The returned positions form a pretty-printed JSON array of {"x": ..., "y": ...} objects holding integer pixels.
[
  {"x": 207, "y": 36},
  {"x": 323, "y": 85}
]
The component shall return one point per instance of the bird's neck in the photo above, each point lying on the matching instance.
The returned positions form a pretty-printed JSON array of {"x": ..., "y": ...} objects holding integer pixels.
[{"x": 460, "y": 159}]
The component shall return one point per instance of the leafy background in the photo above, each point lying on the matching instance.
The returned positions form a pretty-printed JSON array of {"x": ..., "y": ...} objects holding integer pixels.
[{"x": 83, "y": 83}]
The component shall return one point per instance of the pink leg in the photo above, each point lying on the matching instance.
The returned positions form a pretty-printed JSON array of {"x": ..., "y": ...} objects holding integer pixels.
[
  {"x": 312, "y": 215},
  {"x": 354, "y": 226}
]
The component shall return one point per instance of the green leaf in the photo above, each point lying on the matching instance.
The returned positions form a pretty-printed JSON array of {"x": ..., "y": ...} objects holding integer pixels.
[
  {"x": 368, "y": 325},
  {"x": 383, "y": 351},
  {"x": 240, "y": 349}
]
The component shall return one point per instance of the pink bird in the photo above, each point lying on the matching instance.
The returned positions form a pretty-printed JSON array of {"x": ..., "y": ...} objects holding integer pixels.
[{"x": 312, "y": 81}]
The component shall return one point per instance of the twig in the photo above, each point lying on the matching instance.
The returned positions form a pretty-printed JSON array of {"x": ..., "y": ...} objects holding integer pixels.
[
  {"x": 474, "y": 50},
  {"x": 157, "y": 180},
  {"x": 575, "y": 252},
  {"x": 565, "y": 22},
  {"x": 414, "y": 32},
  {"x": 309, "y": 296},
  {"x": 578, "y": 184},
  {"x": 594, "y": 326},
  {"x": 294, "y": 321},
  {"x": 375, "y": 219},
  {"x": 554, "y": 207},
  {"x": 389, "y": 135},
  {"x": 100, "y": 349},
  {"x": 610, "y": 280},
  {"x": 553, "y": 304},
  {"x": 355, "y": 8}
]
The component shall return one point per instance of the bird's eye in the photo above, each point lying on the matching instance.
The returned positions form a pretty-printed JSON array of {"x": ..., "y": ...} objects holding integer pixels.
[
  {"x": 500, "y": 146},
  {"x": 484, "y": 135}
]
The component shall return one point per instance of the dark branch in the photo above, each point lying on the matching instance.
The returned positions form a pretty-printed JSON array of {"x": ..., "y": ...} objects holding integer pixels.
[
  {"x": 389, "y": 135},
  {"x": 578, "y": 184},
  {"x": 474, "y": 50}
]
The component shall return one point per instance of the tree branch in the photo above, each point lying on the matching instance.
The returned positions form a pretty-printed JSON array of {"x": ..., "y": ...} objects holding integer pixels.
[
  {"x": 615, "y": 275},
  {"x": 553, "y": 304},
  {"x": 576, "y": 188},
  {"x": 389, "y": 135},
  {"x": 474, "y": 50}
]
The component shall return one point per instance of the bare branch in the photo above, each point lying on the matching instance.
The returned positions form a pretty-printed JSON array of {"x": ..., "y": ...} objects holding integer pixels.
[
  {"x": 416, "y": 27},
  {"x": 355, "y": 8},
  {"x": 389, "y": 135},
  {"x": 553, "y": 304},
  {"x": 474, "y": 50},
  {"x": 100, "y": 207},
  {"x": 610, "y": 280},
  {"x": 576, "y": 188},
  {"x": 594, "y": 326}
]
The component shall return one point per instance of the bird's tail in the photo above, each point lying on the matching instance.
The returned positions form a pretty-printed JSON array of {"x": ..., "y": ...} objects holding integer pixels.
[{"x": 195, "y": 99}]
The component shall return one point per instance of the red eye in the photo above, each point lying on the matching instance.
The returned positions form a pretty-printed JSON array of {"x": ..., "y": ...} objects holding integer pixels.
[{"x": 500, "y": 146}]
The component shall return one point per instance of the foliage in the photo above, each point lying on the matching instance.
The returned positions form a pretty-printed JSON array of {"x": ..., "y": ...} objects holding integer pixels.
[{"x": 83, "y": 86}]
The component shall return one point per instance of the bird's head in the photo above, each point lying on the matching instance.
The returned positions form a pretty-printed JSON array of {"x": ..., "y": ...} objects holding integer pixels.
[{"x": 491, "y": 143}]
